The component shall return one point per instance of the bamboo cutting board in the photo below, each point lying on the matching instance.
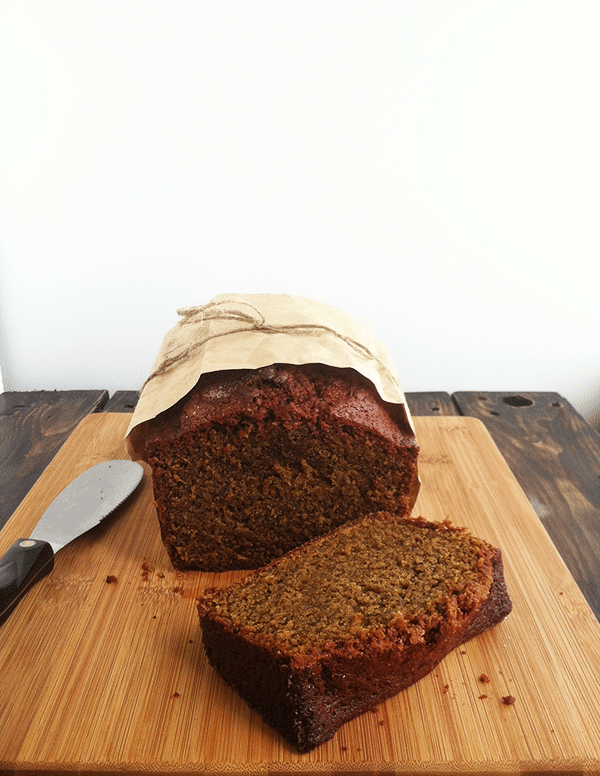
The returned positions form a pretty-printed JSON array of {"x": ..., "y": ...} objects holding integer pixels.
[{"x": 99, "y": 677}]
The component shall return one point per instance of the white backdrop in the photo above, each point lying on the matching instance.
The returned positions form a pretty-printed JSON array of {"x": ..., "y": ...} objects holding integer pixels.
[{"x": 432, "y": 168}]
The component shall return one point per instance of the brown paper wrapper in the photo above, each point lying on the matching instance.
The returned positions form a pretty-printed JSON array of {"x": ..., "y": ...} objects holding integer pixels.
[{"x": 248, "y": 331}]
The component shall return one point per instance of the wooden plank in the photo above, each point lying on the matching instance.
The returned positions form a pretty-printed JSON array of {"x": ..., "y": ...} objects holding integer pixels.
[
  {"x": 555, "y": 456},
  {"x": 432, "y": 403},
  {"x": 111, "y": 678},
  {"x": 122, "y": 401},
  {"x": 33, "y": 427}
]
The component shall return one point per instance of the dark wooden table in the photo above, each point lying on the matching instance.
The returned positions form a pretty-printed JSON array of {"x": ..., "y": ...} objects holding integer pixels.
[{"x": 552, "y": 451}]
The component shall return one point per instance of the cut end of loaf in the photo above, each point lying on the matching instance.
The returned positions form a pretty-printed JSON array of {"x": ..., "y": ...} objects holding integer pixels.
[{"x": 255, "y": 463}]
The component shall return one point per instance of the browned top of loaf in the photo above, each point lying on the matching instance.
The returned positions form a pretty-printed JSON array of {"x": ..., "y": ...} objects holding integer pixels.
[
  {"x": 285, "y": 393},
  {"x": 375, "y": 578}
]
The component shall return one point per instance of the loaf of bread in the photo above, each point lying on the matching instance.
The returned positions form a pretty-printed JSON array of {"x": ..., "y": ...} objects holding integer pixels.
[
  {"x": 253, "y": 463},
  {"x": 335, "y": 627}
]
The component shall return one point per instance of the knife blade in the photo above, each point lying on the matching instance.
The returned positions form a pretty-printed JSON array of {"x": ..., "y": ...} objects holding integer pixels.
[{"x": 83, "y": 504}]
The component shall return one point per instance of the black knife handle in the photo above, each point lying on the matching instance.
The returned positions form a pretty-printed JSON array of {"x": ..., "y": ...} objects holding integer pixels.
[{"x": 22, "y": 565}]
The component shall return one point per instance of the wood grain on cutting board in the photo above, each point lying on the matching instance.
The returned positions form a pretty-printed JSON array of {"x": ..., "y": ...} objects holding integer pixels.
[{"x": 111, "y": 677}]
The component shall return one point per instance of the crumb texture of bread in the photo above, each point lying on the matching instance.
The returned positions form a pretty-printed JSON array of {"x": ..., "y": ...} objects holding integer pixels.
[
  {"x": 254, "y": 463},
  {"x": 327, "y": 632}
]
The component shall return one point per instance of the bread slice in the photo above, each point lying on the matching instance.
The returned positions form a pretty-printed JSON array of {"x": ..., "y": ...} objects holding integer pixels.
[{"x": 330, "y": 630}]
